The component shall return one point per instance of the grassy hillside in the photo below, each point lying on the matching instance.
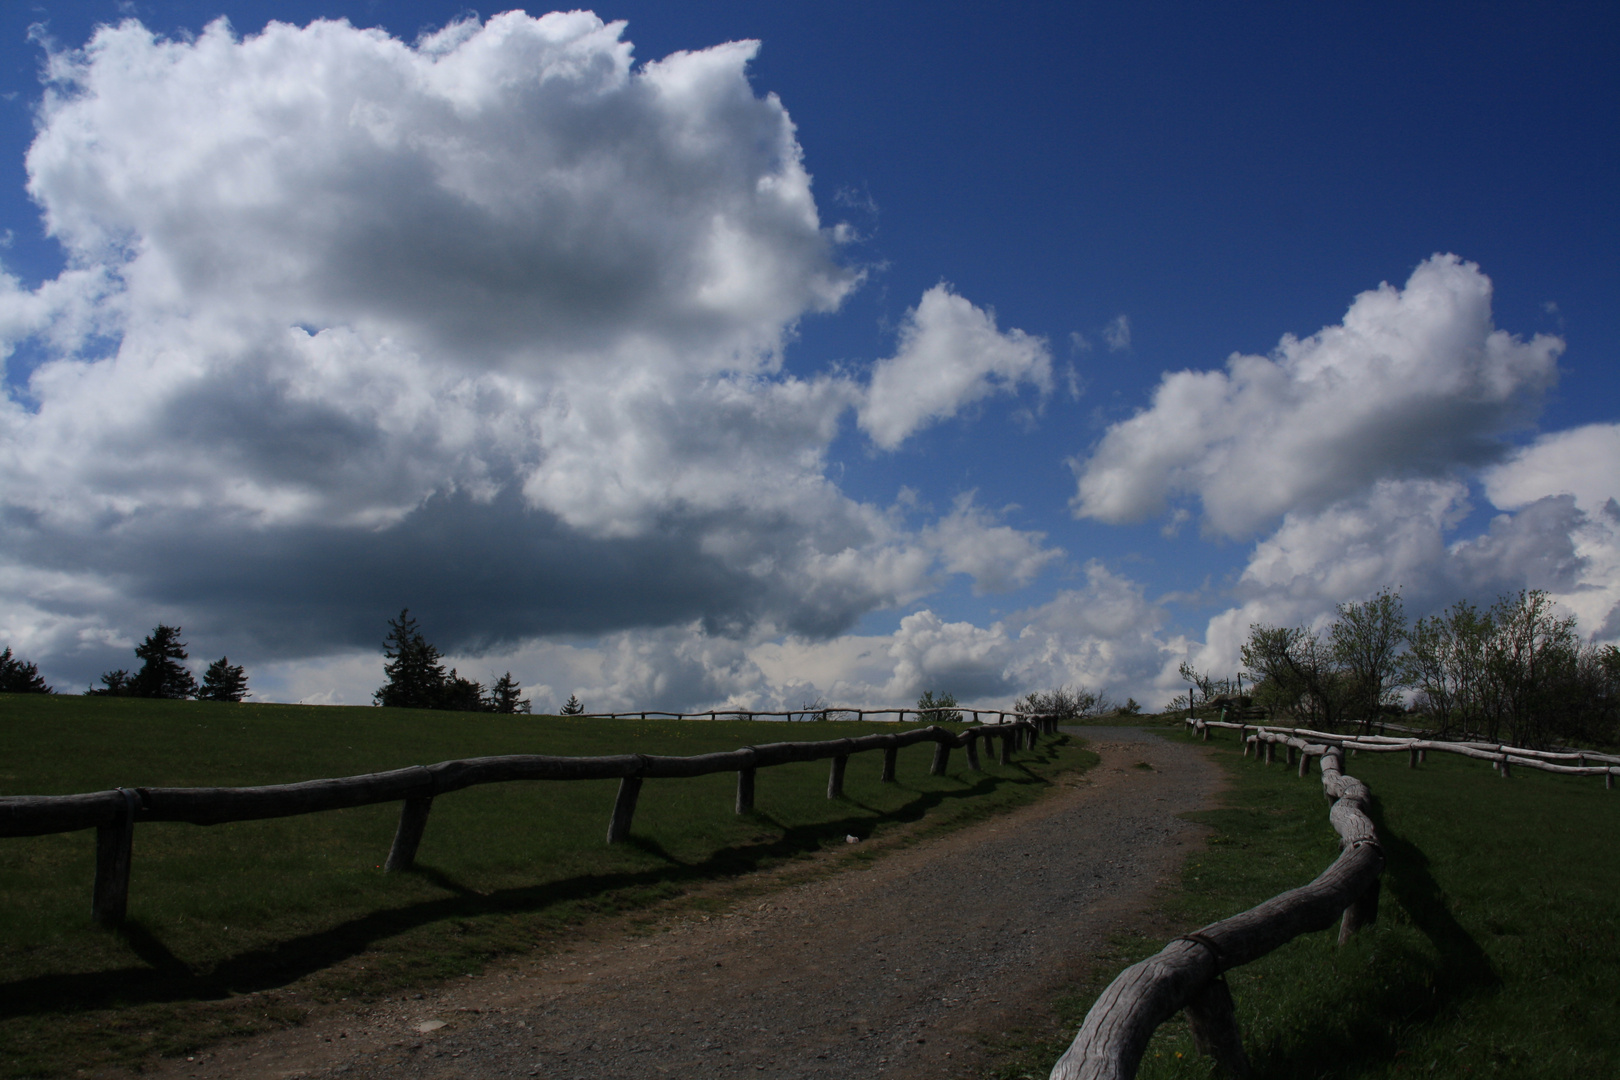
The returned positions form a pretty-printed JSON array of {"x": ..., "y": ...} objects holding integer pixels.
[
  {"x": 1497, "y": 951},
  {"x": 297, "y": 911}
]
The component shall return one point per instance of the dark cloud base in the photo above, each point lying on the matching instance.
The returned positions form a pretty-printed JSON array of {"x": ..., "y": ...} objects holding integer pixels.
[{"x": 480, "y": 576}]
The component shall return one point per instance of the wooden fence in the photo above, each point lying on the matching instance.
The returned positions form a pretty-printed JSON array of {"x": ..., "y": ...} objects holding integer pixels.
[
  {"x": 1298, "y": 741},
  {"x": 1187, "y": 973},
  {"x": 114, "y": 814},
  {"x": 823, "y": 712}
]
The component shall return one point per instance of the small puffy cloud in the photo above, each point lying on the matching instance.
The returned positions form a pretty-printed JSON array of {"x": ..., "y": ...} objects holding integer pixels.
[
  {"x": 997, "y": 557},
  {"x": 1118, "y": 333},
  {"x": 950, "y": 355},
  {"x": 1414, "y": 382}
]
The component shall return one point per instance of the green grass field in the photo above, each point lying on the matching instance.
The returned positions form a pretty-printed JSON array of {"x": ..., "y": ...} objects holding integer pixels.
[
  {"x": 1497, "y": 951},
  {"x": 236, "y": 927}
]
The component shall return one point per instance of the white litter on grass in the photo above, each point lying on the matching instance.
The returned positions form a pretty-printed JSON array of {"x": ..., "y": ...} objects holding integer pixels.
[
  {"x": 428, "y": 1025},
  {"x": 851, "y": 838}
]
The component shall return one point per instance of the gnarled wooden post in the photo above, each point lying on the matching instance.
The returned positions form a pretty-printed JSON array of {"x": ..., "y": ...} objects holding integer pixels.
[
  {"x": 114, "y": 846},
  {"x": 973, "y": 752},
  {"x": 745, "y": 790},
  {"x": 942, "y": 757},
  {"x": 835, "y": 776},
  {"x": 1212, "y": 1016},
  {"x": 890, "y": 753},
  {"x": 624, "y": 809},
  {"x": 1006, "y": 747},
  {"x": 413, "y": 816}
]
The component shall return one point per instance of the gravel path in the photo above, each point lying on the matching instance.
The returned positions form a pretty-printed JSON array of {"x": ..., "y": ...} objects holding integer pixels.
[{"x": 894, "y": 969}]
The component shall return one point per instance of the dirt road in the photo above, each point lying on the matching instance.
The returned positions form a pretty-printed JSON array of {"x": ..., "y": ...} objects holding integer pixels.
[{"x": 895, "y": 969}]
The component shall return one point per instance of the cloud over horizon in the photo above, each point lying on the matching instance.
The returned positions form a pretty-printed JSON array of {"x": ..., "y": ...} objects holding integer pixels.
[{"x": 499, "y": 314}]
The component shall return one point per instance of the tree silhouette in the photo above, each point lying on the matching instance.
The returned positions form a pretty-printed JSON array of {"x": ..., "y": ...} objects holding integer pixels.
[
  {"x": 19, "y": 676},
  {"x": 223, "y": 681},
  {"x": 506, "y": 696},
  {"x": 161, "y": 675},
  {"x": 571, "y": 707},
  {"x": 416, "y": 679}
]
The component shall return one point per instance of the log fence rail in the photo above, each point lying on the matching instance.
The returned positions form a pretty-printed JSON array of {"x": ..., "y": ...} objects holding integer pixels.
[
  {"x": 115, "y": 813},
  {"x": 1187, "y": 974},
  {"x": 1307, "y": 743}
]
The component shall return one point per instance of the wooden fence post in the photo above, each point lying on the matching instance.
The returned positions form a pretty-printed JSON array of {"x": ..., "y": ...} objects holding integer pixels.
[
  {"x": 973, "y": 753},
  {"x": 1006, "y": 747},
  {"x": 1271, "y": 751},
  {"x": 1291, "y": 752},
  {"x": 624, "y": 808},
  {"x": 1213, "y": 1020},
  {"x": 1363, "y": 911},
  {"x": 413, "y": 815},
  {"x": 745, "y": 790},
  {"x": 1304, "y": 763},
  {"x": 890, "y": 753},
  {"x": 942, "y": 757},
  {"x": 835, "y": 776},
  {"x": 114, "y": 845}
]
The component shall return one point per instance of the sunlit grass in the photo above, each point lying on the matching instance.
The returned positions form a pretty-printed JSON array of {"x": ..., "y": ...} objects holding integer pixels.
[
  {"x": 296, "y": 911},
  {"x": 1497, "y": 951}
]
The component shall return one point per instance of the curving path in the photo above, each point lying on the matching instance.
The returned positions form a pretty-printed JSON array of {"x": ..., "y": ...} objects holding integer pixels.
[{"x": 895, "y": 969}]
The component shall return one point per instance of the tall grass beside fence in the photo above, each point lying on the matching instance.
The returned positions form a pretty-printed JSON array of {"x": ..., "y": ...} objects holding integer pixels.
[
  {"x": 236, "y": 927},
  {"x": 1496, "y": 953}
]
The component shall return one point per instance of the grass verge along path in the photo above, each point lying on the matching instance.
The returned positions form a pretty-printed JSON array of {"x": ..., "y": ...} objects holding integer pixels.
[
  {"x": 1496, "y": 953},
  {"x": 241, "y": 927}
]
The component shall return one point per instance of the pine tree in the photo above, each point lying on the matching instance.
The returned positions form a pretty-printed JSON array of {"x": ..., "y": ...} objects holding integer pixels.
[
  {"x": 113, "y": 684},
  {"x": 19, "y": 676},
  {"x": 461, "y": 695},
  {"x": 161, "y": 675},
  {"x": 416, "y": 678},
  {"x": 506, "y": 696},
  {"x": 572, "y": 707},
  {"x": 223, "y": 681}
]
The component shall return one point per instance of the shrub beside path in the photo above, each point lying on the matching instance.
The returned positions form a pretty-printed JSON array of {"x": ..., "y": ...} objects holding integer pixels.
[{"x": 897, "y": 967}]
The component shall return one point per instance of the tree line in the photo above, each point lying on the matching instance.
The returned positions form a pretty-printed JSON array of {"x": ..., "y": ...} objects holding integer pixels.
[
  {"x": 417, "y": 678},
  {"x": 1515, "y": 672},
  {"x": 160, "y": 675}
]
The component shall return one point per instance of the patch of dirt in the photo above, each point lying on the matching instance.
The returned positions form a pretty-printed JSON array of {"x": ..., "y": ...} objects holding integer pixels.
[{"x": 899, "y": 966}]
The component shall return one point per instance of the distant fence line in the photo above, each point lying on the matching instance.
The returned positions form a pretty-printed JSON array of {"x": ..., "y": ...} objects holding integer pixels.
[
  {"x": 825, "y": 712},
  {"x": 114, "y": 814},
  {"x": 1264, "y": 739},
  {"x": 1188, "y": 973}
]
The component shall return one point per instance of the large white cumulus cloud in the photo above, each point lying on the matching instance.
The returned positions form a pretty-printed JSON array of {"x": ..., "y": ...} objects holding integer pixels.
[
  {"x": 1415, "y": 381},
  {"x": 494, "y": 320}
]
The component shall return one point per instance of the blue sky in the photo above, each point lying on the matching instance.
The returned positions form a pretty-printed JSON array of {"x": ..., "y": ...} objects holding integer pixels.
[{"x": 896, "y": 355}]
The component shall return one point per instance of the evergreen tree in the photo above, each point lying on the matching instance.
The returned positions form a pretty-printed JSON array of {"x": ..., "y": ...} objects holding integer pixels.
[
  {"x": 223, "y": 681},
  {"x": 506, "y": 696},
  {"x": 571, "y": 707},
  {"x": 416, "y": 678},
  {"x": 19, "y": 676},
  {"x": 461, "y": 695},
  {"x": 161, "y": 675},
  {"x": 117, "y": 683}
]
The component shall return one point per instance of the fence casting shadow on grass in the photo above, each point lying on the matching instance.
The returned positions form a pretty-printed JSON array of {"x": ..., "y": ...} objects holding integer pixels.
[{"x": 170, "y": 979}]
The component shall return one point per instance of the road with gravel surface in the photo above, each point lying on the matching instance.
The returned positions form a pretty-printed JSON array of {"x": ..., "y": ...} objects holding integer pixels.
[{"x": 897, "y": 968}]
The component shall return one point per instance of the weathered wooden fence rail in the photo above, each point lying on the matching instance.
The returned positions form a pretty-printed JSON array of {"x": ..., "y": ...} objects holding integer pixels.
[
  {"x": 815, "y": 713},
  {"x": 114, "y": 814},
  {"x": 1187, "y": 973},
  {"x": 1264, "y": 739}
]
